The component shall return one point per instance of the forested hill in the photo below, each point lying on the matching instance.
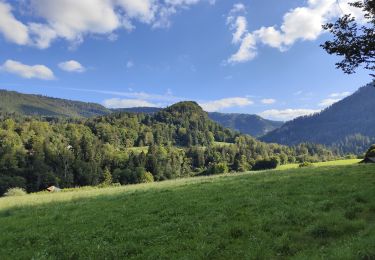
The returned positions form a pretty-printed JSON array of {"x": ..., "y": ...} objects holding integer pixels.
[
  {"x": 127, "y": 148},
  {"x": 253, "y": 125},
  {"x": 26, "y": 104},
  {"x": 245, "y": 123},
  {"x": 348, "y": 125},
  {"x": 146, "y": 110}
]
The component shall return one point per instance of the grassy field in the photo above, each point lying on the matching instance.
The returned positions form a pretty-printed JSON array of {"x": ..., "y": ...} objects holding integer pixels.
[
  {"x": 319, "y": 164},
  {"x": 323, "y": 212}
]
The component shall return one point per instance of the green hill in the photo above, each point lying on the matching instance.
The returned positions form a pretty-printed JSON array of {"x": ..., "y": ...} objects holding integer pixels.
[
  {"x": 128, "y": 148},
  {"x": 253, "y": 125},
  {"x": 310, "y": 213},
  {"x": 26, "y": 104},
  {"x": 348, "y": 125}
]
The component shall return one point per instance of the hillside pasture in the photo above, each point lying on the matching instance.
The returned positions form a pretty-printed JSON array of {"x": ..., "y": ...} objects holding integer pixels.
[{"x": 318, "y": 212}]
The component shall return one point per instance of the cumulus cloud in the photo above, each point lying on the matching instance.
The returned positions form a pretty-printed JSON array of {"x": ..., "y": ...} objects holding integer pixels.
[
  {"x": 73, "y": 20},
  {"x": 246, "y": 41},
  {"x": 72, "y": 66},
  {"x": 126, "y": 103},
  {"x": 287, "y": 114},
  {"x": 13, "y": 30},
  {"x": 299, "y": 24},
  {"x": 27, "y": 71},
  {"x": 224, "y": 103},
  {"x": 268, "y": 101}
]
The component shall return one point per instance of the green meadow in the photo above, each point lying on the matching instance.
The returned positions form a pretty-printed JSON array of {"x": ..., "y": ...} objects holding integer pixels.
[
  {"x": 319, "y": 164},
  {"x": 322, "y": 212}
]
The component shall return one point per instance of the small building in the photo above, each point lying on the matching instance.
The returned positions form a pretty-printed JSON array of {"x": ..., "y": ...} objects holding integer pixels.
[{"x": 53, "y": 189}]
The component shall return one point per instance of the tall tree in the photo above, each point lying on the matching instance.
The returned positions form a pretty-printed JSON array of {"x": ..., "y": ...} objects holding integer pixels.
[{"x": 354, "y": 42}]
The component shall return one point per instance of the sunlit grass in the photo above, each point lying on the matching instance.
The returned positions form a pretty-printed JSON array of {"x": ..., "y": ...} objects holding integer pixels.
[
  {"x": 319, "y": 164},
  {"x": 308, "y": 213}
]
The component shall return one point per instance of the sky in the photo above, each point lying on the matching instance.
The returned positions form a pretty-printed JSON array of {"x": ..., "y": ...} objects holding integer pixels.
[{"x": 257, "y": 57}]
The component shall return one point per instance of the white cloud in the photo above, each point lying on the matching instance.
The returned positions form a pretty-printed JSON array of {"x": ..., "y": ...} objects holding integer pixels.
[
  {"x": 224, "y": 103},
  {"x": 342, "y": 94},
  {"x": 74, "y": 20},
  {"x": 328, "y": 102},
  {"x": 246, "y": 41},
  {"x": 72, "y": 66},
  {"x": 287, "y": 114},
  {"x": 26, "y": 71},
  {"x": 268, "y": 101},
  {"x": 299, "y": 24},
  {"x": 333, "y": 98},
  {"x": 126, "y": 103},
  {"x": 13, "y": 30}
]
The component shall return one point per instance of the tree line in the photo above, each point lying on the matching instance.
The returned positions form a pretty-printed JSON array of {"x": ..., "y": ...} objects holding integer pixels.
[{"x": 128, "y": 148}]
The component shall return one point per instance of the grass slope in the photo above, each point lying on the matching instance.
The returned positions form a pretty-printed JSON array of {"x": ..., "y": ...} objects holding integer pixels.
[
  {"x": 319, "y": 164},
  {"x": 320, "y": 212}
]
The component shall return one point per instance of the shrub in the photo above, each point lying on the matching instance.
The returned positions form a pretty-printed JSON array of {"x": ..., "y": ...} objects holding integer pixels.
[
  {"x": 371, "y": 151},
  {"x": 146, "y": 177},
  {"x": 12, "y": 192},
  {"x": 305, "y": 164},
  {"x": 266, "y": 164},
  {"x": 107, "y": 179},
  {"x": 217, "y": 168}
]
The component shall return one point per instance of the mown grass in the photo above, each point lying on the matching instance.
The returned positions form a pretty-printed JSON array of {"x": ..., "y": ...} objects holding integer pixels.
[{"x": 309, "y": 213}]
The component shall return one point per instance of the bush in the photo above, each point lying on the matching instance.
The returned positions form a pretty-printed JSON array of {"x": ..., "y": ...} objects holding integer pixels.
[
  {"x": 12, "y": 192},
  {"x": 217, "y": 168},
  {"x": 107, "y": 178},
  {"x": 146, "y": 177},
  {"x": 266, "y": 164},
  {"x": 305, "y": 164},
  {"x": 371, "y": 151}
]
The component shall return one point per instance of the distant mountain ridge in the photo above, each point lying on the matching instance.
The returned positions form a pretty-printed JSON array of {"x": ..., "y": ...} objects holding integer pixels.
[
  {"x": 253, "y": 125},
  {"x": 348, "y": 124},
  {"x": 29, "y": 104}
]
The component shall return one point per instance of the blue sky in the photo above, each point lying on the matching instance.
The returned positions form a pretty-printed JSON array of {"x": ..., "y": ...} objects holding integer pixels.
[{"x": 260, "y": 57}]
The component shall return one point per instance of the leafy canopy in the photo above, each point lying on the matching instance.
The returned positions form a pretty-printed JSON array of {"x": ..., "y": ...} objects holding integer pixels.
[{"x": 354, "y": 42}]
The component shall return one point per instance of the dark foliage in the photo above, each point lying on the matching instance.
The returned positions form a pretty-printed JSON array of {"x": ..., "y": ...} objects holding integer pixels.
[
  {"x": 128, "y": 148},
  {"x": 356, "y": 44}
]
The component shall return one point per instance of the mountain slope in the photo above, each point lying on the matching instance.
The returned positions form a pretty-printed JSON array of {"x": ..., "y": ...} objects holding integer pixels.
[
  {"x": 245, "y": 123},
  {"x": 26, "y": 104},
  {"x": 349, "y": 120},
  {"x": 145, "y": 110},
  {"x": 253, "y": 125}
]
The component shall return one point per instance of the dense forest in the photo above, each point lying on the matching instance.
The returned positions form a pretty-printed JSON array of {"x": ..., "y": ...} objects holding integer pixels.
[
  {"x": 127, "y": 148},
  {"x": 253, "y": 125},
  {"x": 347, "y": 126}
]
